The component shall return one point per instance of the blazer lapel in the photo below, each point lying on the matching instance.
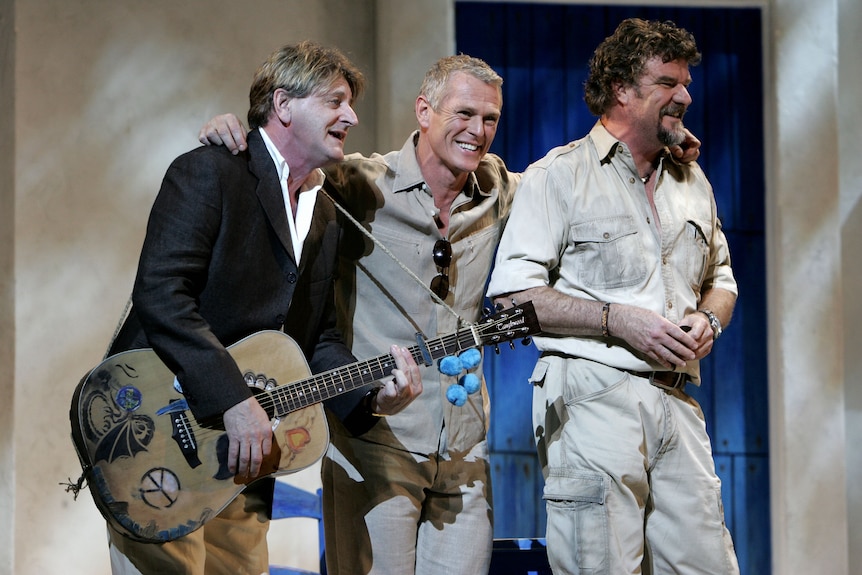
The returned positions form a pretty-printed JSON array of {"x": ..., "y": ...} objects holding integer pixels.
[
  {"x": 269, "y": 190},
  {"x": 314, "y": 241}
]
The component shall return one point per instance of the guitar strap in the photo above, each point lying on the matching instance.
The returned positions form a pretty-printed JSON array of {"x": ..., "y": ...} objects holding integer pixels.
[
  {"x": 119, "y": 326},
  {"x": 362, "y": 229},
  {"x": 407, "y": 270}
]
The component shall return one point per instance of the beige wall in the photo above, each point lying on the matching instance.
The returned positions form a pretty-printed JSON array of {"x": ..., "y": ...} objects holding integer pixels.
[
  {"x": 850, "y": 173},
  {"x": 805, "y": 277},
  {"x": 96, "y": 98},
  {"x": 7, "y": 283}
]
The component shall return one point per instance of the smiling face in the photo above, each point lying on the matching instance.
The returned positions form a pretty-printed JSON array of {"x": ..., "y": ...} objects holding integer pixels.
[
  {"x": 457, "y": 135},
  {"x": 661, "y": 100},
  {"x": 318, "y": 126}
]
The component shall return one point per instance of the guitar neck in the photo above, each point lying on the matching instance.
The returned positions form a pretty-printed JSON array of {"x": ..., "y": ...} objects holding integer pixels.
[{"x": 300, "y": 394}]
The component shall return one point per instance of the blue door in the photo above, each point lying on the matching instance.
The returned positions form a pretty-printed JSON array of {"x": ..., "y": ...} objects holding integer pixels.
[{"x": 542, "y": 53}]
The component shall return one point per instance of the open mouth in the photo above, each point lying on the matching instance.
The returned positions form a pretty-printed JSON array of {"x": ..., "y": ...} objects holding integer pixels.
[
  {"x": 674, "y": 112},
  {"x": 468, "y": 147}
]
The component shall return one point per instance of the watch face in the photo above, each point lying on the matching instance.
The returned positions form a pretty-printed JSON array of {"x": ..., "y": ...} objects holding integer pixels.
[{"x": 713, "y": 323}]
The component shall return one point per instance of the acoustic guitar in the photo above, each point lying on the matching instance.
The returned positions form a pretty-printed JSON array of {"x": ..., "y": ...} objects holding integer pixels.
[{"x": 157, "y": 474}]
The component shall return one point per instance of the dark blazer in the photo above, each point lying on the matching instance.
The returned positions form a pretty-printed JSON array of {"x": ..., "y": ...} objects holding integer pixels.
[{"x": 217, "y": 265}]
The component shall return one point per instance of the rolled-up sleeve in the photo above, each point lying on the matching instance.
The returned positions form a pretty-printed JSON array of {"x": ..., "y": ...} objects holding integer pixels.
[{"x": 533, "y": 238}]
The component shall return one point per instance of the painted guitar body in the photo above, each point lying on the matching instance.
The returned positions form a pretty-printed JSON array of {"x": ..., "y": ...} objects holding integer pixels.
[{"x": 157, "y": 474}]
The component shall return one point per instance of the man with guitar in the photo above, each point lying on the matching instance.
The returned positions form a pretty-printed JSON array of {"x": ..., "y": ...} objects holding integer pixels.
[{"x": 237, "y": 244}]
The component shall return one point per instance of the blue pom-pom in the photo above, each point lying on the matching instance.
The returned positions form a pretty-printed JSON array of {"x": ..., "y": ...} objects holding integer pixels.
[
  {"x": 450, "y": 365},
  {"x": 470, "y": 358},
  {"x": 471, "y": 383},
  {"x": 456, "y": 395}
]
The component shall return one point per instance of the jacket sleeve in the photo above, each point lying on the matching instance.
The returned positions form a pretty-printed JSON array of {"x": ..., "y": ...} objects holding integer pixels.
[{"x": 172, "y": 273}]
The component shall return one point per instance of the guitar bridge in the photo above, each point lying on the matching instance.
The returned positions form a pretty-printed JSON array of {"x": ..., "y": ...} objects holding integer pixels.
[{"x": 184, "y": 435}]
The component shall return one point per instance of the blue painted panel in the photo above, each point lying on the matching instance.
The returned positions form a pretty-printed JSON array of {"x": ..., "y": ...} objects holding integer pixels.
[
  {"x": 745, "y": 495},
  {"x": 517, "y": 484},
  {"x": 724, "y": 470},
  {"x": 751, "y": 528},
  {"x": 741, "y": 360},
  {"x": 511, "y": 395}
]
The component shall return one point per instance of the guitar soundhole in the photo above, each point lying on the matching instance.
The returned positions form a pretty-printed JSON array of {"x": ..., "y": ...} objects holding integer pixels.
[{"x": 159, "y": 488}]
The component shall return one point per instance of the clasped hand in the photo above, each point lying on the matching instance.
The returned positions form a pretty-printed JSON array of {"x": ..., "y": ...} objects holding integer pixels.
[{"x": 663, "y": 341}]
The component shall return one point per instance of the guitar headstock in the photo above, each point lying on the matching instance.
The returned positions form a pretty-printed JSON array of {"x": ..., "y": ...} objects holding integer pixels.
[{"x": 519, "y": 321}]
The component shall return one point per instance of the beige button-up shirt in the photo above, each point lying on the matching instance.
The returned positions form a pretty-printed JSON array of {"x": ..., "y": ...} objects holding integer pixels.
[
  {"x": 582, "y": 224},
  {"x": 378, "y": 303}
]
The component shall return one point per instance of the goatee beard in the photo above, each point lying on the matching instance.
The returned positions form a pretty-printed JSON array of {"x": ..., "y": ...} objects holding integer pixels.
[{"x": 671, "y": 137}]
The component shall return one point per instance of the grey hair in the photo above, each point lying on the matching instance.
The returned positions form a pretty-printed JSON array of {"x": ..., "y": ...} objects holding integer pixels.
[{"x": 436, "y": 78}]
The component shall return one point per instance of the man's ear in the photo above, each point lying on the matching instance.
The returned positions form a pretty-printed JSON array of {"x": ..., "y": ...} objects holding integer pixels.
[
  {"x": 620, "y": 92},
  {"x": 423, "y": 112},
  {"x": 281, "y": 106}
]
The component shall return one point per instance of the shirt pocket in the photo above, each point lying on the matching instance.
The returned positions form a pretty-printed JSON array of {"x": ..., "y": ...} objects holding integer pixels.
[
  {"x": 694, "y": 250},
  {"x": 471, "y": 263},
  {"x": 608, "y": 252},
  {"x": 381, "y": 277}
]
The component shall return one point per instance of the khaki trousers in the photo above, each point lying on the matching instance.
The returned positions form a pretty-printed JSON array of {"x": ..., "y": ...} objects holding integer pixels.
[
  {"x": 630, "y": 483},
  {"x": 232, "y": 543},
  {"x": 392, "y": 512}
]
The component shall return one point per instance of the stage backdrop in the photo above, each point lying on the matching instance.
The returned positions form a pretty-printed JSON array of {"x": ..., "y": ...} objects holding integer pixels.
[{"x": 542, "y": 53}]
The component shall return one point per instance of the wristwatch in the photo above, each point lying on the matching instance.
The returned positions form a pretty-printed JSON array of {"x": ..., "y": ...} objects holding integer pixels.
[{"x": 713, "y": 323}]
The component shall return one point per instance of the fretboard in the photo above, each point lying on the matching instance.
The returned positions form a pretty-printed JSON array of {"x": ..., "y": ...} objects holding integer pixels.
[{"x": 300, "y": 394}]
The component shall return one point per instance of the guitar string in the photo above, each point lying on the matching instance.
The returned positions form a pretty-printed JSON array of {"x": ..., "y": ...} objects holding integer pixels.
[{"x": 457, "y": 341}]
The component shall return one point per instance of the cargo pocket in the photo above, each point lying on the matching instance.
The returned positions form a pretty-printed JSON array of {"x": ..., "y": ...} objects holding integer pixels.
[
  {"x": 577, "y": 522},
  {"x": 537, "y": 378}
]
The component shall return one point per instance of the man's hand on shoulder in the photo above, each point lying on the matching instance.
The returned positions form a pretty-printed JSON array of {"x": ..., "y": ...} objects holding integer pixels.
[
  {"x": 689, "y": 150},
  {"x": 224, "y": 130}
]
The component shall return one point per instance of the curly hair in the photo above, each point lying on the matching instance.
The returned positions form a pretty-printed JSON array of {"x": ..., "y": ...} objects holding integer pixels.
[
  {"x": 434, "y": 84},
  {"x": 622, "y": 57},
  {"x": 301, "y": 70}
]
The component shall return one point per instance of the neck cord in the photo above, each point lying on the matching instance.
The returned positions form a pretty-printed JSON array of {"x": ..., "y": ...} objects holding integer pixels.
[{"x": 407, "y": 270}]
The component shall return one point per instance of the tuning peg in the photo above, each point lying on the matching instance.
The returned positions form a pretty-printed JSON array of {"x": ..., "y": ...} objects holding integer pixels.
[
  {"x": 486, "y": 311},
  {"x": 496, "y": 349},
  {"x": 498, "y": 307},
  {"x": 527, "y": 340},
  {"x": 511, "y": 344}
]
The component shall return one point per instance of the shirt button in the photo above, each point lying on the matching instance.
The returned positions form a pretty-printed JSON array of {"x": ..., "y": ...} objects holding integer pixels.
[
  {"x": 291, "y": 278},
  {"x": 279, "y": 318},
  {"x": 631, "y": 180},
  {"x": 670, "y": 305},
  {"x": 606, "y": 235},
  {"x": 664, "y": 261}
]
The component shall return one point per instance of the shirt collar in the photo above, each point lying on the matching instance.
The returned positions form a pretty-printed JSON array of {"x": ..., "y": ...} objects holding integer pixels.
[
  {"x": 607, "y": 145},
  {"x": 312, "y": 183},
  {"x": 408, "y": 175}
]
